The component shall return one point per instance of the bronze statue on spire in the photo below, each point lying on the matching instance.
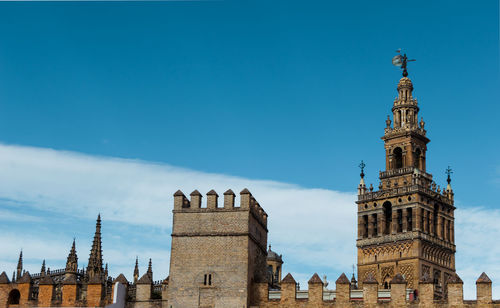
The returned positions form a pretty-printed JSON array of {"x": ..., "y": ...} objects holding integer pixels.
[{"x": 401, "y": 60}]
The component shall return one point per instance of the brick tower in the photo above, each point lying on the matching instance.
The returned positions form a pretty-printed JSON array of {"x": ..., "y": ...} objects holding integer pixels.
[
  {"x": 407, "y": 226},
  {"x": 217, "y": 252}
]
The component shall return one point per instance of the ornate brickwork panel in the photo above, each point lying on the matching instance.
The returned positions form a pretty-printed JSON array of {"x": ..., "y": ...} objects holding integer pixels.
[
  {"x": 390, "y": 249},
  {"x": 408, "y": 272},
  {"x": 366, "y": 273},
  {"x": 387, "y": 272},
  {"x": 426, "y": 269}
]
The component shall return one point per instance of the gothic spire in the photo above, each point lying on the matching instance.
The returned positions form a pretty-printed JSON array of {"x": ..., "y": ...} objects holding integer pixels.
[
  {"x": 20, "y": 265},
  {"x": 94, "y": 267},
  {"x": 42, "y": 271},
  {"x": 136, "y": 269},
  {"x": 72, "y": 261},
  {"x": 150, "y": 269}
]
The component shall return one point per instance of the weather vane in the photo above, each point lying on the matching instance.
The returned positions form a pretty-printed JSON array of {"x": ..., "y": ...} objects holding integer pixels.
[
  {"x": 362, "y": 167},
  {"x": 448, "y": 172},
  {"x": 401, "y": 60}
]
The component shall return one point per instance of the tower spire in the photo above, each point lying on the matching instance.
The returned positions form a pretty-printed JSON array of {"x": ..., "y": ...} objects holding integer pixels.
[
  {"x": 42, "y": 271},
  {"x": 94, "y": 267},
  {"x": 136, "y": 269},
  {"x": 150, "y": 269},
  {"x": 20, "y": 265}
]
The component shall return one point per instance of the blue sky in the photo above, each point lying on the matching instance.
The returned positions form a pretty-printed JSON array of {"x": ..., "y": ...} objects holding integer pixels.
[{"x": 250, "y": 93}]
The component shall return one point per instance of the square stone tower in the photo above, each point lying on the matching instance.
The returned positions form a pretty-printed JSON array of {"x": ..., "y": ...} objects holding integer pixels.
[
  {"x": 407, "y": 226},
  {"x": 217, "y": 251}
]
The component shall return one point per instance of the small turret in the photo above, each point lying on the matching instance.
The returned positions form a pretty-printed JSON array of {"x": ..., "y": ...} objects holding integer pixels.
[
  {"x": 354, "y": 283},
  {"x": 362, "y": 185}
]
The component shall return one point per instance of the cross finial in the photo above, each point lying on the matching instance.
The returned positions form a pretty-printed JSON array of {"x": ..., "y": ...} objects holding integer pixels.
[
  {"x": 362, "y": 167},
  {"x": 449, "y": 172}
]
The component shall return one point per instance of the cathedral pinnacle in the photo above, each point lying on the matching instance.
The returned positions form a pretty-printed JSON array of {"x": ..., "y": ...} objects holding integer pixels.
[
  {"x": 150, "y": 269},
  {"x": 136, "y": 269},
  {"x": 20, "y": 265},
  {"x": 94, "y": 267},
  {"x": 42, "y": 271}
]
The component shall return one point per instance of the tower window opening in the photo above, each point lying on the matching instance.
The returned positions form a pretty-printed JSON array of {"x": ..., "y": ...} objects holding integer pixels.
[
  {"x": 400, "y": 221},
  {"x": 443, "y": 235},
  {"x": 409, "y": 218},
  {"x": 416, "y": 159},
  {"x": 375, "y": 225},
  {"x": 388, "y": 216},
  {"x": 435, "y": 218},
  {"x": 365, "y": 223},
  {"x": 207, "y": 279},
  {"x": 398, "y": 158}
]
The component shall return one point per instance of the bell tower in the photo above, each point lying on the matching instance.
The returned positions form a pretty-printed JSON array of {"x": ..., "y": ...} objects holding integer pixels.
[{"x": 407, "y": 225}]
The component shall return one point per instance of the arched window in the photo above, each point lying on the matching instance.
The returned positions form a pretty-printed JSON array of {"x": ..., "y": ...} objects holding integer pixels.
[
  {"x": 388, "y": 216},
  {"x": 409, "y": 219},
  {"x": 270, "y": 273},
  {"x": 416, "y": 159},
  {"x": 365, "y": 225},
  {"x": 387, "y": 282},
  {"x": 400, "y": 220},
  {"x": 14, "y": 297},
  {"x": 398, "y": 158}
]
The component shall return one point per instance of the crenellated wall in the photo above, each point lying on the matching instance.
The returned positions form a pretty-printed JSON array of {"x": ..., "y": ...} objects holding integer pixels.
[{"x": 372, "y": 297}]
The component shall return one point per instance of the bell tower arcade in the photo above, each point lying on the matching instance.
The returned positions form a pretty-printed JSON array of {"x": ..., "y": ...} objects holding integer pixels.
[{"x": 407, "y": 225}]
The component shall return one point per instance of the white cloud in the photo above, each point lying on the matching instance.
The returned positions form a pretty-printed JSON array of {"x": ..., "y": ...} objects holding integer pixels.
[{"x": 314, "y": 229}]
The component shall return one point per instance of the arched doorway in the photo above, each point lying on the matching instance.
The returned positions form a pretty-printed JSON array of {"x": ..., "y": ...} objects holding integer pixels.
[{"x": 14, "y": 297}]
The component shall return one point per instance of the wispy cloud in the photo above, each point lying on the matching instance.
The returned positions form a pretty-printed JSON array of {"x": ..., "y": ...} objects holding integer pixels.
[{"x": 314, "y": 229}]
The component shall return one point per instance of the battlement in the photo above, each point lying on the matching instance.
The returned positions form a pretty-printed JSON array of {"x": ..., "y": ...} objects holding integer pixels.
[
  {"x": 370, "y": 295},
  {"x": 195, "y": 204}
]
